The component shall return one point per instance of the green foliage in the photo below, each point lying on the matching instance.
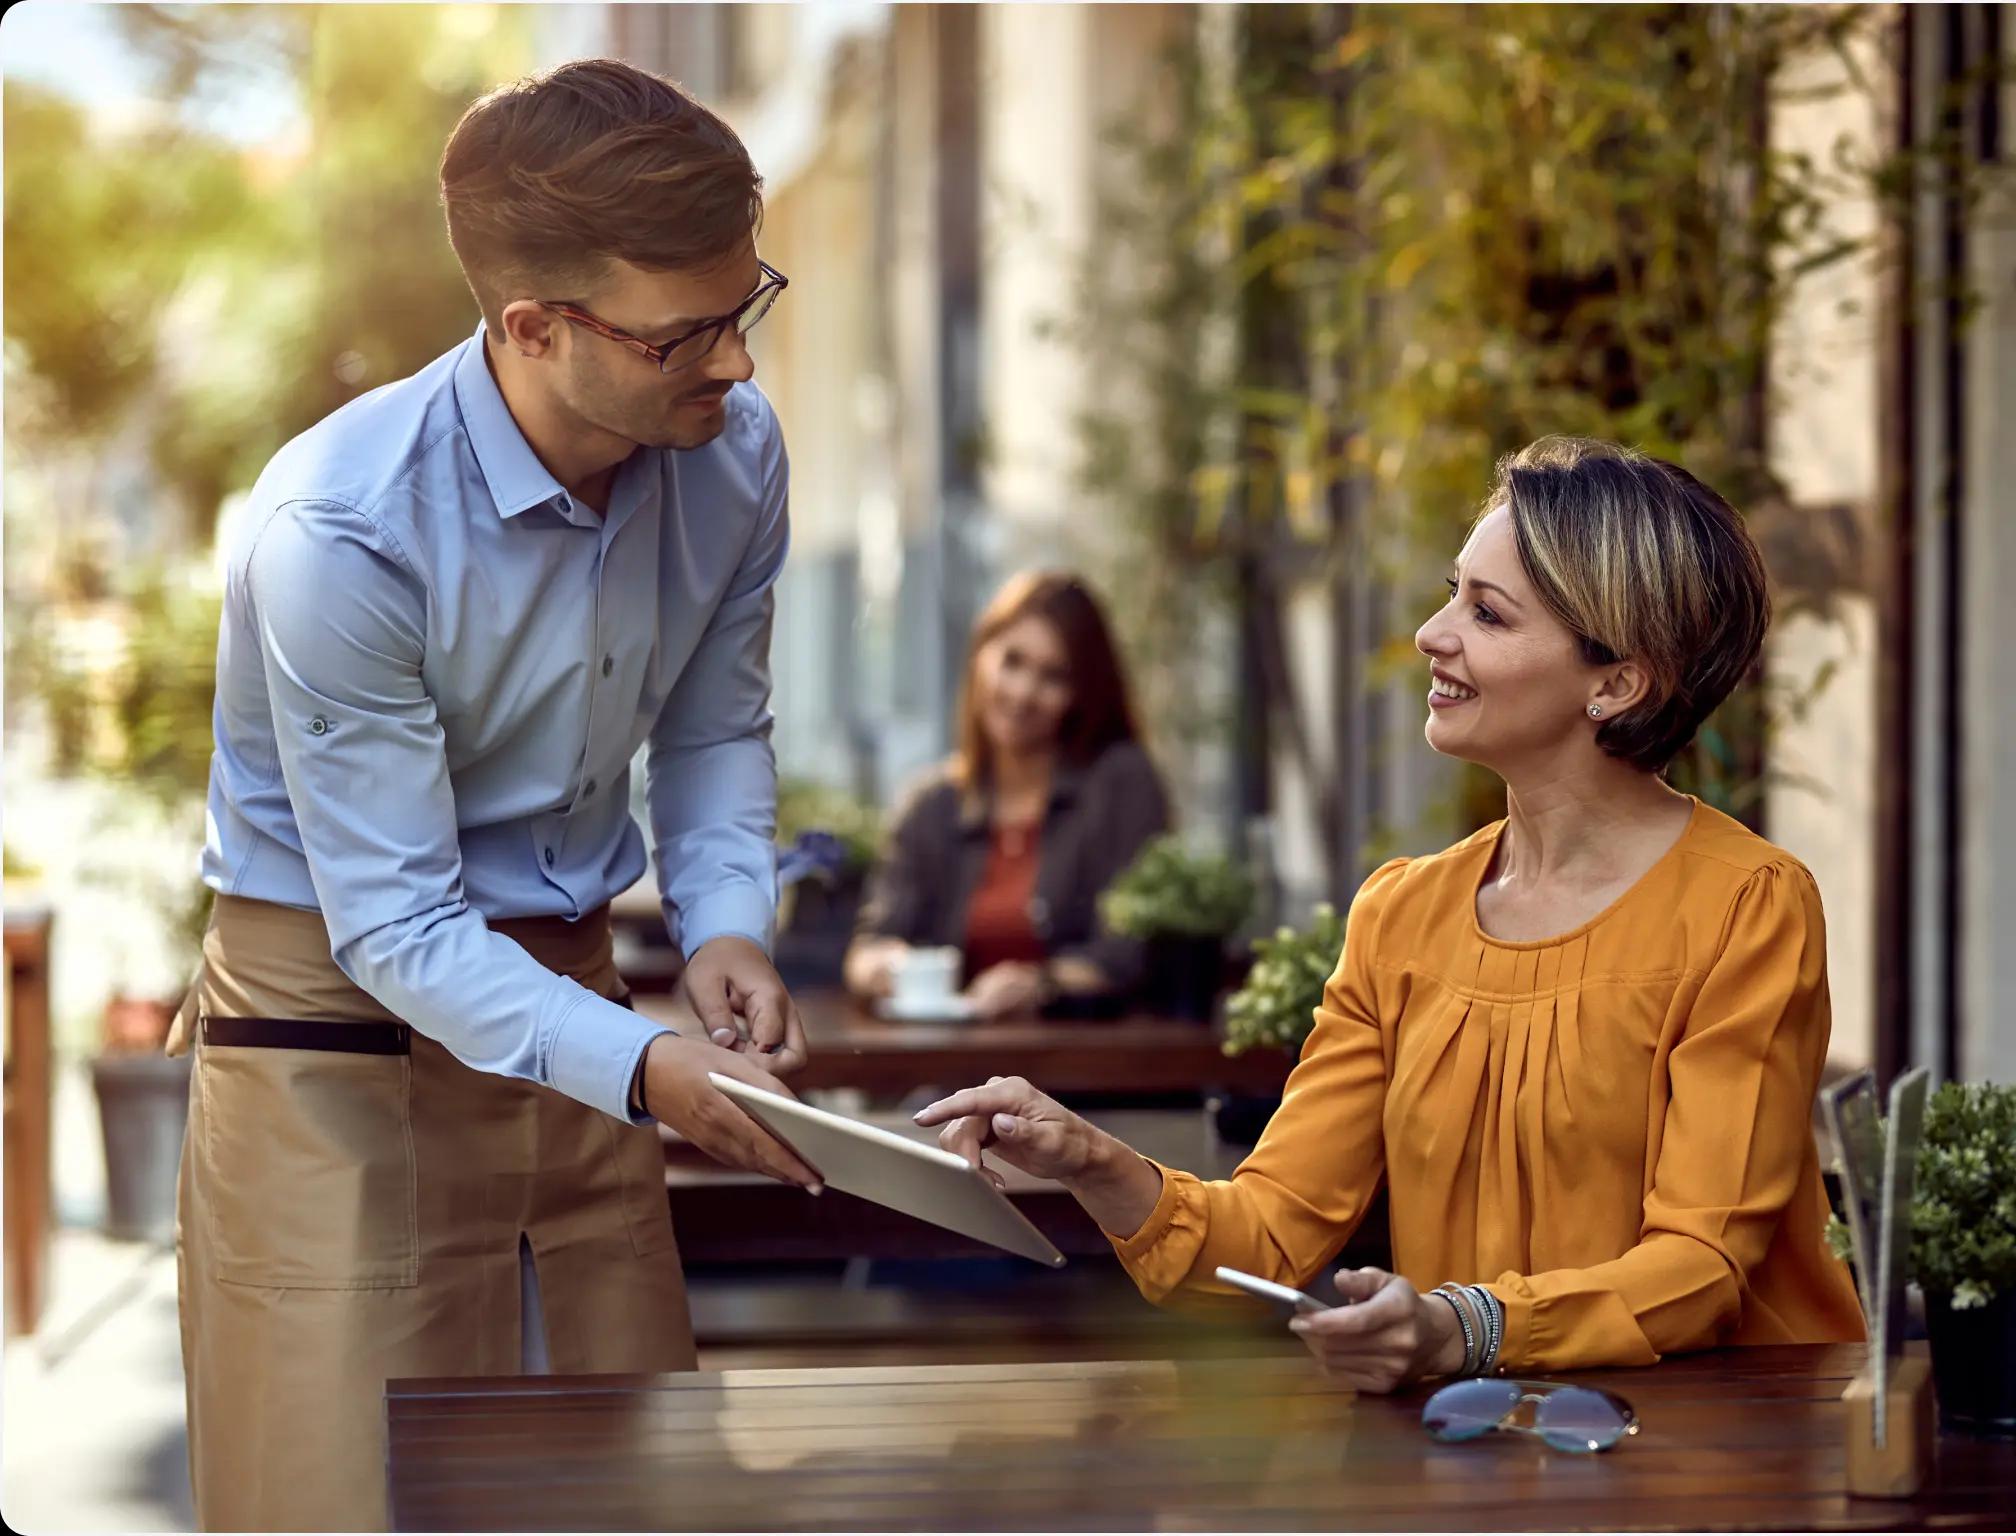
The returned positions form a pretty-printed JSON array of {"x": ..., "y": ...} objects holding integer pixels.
[
  {"x": 1277, "y": 1004},
  {"x": 1169, "y": 892},
  {"x": 805, "y": 806},
  {"x": 226, "y": 299},
  {"x": 163, "y": 694},
  {"x": 97, "y": 239},
  {"x": 1362, "y": 265},
  {"x": 1963, "y": 1206}
]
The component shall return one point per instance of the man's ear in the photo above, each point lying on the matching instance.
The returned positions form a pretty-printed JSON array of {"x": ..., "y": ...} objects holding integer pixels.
[{"x": 529, "y": 329}]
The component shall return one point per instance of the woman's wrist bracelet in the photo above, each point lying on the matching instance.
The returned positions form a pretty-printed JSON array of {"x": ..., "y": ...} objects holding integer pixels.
[
  {"x": 1463, "y": 1323},
  {"x": 1494, "y": 1327},
  {"x": 1472, "y": 1322}
]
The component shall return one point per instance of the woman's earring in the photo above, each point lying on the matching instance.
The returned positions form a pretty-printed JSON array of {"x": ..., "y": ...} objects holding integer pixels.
[{"x": 1595, "y": 711}]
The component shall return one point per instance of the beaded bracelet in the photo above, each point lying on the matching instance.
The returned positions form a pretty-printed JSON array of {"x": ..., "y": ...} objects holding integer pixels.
[
  {"x": 1493, "y": 1314},
  {"x": 1471, "y": 1321}
]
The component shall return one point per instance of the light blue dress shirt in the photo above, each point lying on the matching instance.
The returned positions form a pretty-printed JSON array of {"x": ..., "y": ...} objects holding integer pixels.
[{"x": 433, "y": 672}]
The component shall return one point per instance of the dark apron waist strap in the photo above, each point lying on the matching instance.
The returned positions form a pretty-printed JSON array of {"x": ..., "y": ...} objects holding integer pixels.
[{"x": 360, "y": 1037}]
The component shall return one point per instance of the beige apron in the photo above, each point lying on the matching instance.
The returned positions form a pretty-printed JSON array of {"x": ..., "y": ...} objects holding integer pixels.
[{"x": 348, "y": 1216}]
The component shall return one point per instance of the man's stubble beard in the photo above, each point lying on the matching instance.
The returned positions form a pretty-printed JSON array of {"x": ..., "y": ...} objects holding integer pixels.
[{"x": 599, "y": 403}]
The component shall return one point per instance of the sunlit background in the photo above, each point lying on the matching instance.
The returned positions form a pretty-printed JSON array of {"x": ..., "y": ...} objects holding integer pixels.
[{"x": 1230, "y": 308}]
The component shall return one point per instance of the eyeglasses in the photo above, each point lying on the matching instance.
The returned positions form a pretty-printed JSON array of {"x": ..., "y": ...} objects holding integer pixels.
[
  {"x": 1567, "y": 1418},
  {"x": 689, "y": 347}
]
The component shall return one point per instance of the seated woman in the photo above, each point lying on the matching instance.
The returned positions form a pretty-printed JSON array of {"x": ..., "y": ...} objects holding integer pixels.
[
  {"x": 1582, "y": 1045},
  {"x": 1004, "y": 850}
]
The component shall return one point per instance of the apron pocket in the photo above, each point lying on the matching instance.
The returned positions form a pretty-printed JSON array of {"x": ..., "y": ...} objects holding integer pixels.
[{"x": 307, "y": 1168}]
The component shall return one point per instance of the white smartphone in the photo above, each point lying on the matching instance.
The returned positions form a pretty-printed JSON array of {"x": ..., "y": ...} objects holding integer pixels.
[{"x": 1267, "y": 1290}]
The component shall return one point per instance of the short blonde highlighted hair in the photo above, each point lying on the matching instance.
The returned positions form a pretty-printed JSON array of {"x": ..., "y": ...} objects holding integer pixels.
[{"x": 1640, "y": 560}]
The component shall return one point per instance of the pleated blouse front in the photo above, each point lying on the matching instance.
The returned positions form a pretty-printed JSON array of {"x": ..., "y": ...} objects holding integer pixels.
[{"x": 1610, "y": 1128}]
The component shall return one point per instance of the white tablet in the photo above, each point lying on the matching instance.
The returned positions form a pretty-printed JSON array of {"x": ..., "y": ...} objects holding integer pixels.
[{"x": 909, "y": 1176}]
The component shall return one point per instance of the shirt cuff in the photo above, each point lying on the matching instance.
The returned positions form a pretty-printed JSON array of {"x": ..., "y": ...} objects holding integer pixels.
[
  {"x": 1133, "y": 1249},
  {"x": 594, "y": 1055},
  {"x": 739, "y": 910}
]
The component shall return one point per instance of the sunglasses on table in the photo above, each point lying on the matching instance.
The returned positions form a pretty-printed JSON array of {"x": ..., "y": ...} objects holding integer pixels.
[
  {"x": 1579, "y": 1419},
  {"x": 691, "y": 345}
]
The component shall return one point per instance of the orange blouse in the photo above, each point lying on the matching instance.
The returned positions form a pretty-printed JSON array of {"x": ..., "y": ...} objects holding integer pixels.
[{"x": 1611, "y": 1129}]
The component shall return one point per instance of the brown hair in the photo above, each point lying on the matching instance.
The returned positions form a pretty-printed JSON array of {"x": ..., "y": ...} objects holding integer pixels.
[
  {"x": 1640, "y": 560},
  {"x": 546, "y": 180},
  {"x": 1100, "y": 713}
]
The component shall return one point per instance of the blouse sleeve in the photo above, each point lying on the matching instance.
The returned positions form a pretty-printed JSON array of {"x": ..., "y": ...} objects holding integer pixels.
[
  {"x": 1737, "y": 1132},
  {"x": 1291, "y": 1204}
]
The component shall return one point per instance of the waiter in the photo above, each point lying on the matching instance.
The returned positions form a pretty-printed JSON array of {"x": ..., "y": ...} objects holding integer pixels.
[{"x": 420, "y": 1135}]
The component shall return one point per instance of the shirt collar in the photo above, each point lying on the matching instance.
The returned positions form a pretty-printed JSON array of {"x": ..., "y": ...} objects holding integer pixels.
[{"x": 512, "y": 471}]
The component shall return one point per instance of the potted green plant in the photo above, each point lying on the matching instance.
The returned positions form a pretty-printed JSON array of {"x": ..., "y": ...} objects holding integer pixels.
[
  {"x": 1963, "y": 1253},
  {"x": 1183, "y": 905},
  {"x": 143, "y": 1093},
  {"x": 1275, "y": 1007},
  {"x": 827, "y": 841}
]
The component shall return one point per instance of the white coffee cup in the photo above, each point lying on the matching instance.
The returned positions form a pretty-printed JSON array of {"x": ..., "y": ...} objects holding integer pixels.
[{"x": 922, "y": 977}]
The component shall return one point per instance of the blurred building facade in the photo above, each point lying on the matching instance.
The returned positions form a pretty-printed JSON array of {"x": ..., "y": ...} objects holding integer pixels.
[{"x": 932, "y": 175}]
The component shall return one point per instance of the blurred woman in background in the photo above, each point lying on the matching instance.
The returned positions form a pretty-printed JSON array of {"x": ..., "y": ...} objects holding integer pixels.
[{"x": 1002, "y": 852}]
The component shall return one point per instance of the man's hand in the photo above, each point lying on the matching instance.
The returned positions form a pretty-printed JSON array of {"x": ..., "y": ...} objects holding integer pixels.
[
  {"x": 743, "y": 1005},
  {"x": 1386, "y": 1334},
  {"x": 676, "y": 1091}
]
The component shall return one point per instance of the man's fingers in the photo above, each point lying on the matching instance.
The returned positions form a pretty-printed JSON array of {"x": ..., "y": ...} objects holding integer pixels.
[
  {"x": 766, "y": 1018},
  {"x": 793, "y": 1055},
  {"x": 763, "y": 1152},
  {"x": 715, "y": 1011},
  {"x": 743, "y": 1069}
]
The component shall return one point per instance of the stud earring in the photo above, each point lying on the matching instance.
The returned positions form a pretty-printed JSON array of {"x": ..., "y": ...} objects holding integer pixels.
[{"x": 1595, "y": 711}]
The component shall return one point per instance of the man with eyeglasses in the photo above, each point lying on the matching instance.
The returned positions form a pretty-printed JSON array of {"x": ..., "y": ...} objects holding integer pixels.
[{"x": 422, "y": 1136}]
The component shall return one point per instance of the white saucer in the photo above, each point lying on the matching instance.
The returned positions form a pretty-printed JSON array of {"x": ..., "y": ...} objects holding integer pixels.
[{"x": 919, "y": 1010}]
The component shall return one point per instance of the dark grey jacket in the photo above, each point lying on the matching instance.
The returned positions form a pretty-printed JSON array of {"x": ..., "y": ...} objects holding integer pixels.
[{"x": 1099, "y": 816}]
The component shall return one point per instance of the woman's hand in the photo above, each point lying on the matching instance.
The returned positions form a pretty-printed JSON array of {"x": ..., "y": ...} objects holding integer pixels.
[
  {"x": 1013, "y": 986},
  {"x": 870, "y": 967},
  {"x": 1116, "y": 1185},
  {"x": 1387, "y": 1335},
  {"x": 1023, "y": 1126}
]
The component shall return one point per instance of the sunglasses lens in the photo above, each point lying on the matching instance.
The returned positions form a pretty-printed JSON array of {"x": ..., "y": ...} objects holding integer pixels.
[
  {"x": 1466, "y": 1409},
  {"x": 1576, "y": 1419}
]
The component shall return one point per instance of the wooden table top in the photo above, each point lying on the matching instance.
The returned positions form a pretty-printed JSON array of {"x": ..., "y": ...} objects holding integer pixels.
[
  {"x": 1738, "y": 1439},
  {"x": 852, "y": 1048}
]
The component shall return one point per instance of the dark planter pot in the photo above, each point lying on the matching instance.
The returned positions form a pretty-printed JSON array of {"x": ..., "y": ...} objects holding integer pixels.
[
  {"x": 811, "y": 949},
  {"x": 1184, "y": 976},
  {"x": 1239, "y": 1118},
  {"x": 1974, "y": 1365},
  {"x": 143, "y": 1107}
]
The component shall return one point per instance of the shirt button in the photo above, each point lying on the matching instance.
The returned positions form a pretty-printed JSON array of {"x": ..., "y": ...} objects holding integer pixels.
[
  {"x": 549, "y": 858},
  {"x": 608, "y": 665},
  {"x": 318, "y": 727},
  {"x": 587, "y": 789}
]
